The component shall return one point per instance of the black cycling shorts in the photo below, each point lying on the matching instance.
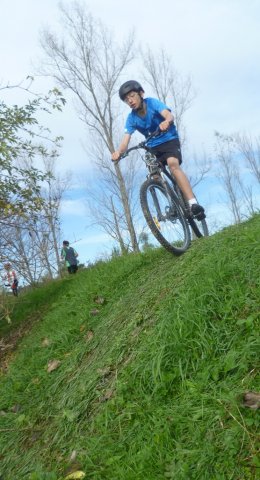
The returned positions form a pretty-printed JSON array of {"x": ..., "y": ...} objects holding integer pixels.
[{"x": 167, "y": 150}]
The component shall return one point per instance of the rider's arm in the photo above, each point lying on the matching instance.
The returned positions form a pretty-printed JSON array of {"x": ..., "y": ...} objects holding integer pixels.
[
  {"x": 169, "y": 119},
  {"x": 122, "y": 147}
]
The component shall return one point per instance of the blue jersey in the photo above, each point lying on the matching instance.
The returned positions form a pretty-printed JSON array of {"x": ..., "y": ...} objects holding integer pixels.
[{"x": 150, "y": 122}]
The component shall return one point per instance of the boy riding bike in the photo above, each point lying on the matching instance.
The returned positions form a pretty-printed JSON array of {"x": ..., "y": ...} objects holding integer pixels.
[{"x": 149, "y": 115}]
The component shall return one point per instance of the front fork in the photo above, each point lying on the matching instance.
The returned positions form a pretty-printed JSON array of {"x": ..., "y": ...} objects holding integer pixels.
[{"x": 160, "y": 215}]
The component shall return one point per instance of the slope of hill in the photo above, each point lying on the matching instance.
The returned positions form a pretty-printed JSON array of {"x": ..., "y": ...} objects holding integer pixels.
[{"x": 137, "y": 369}]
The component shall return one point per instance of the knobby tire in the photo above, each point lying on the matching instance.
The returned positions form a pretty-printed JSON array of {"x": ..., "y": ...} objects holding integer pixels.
[{"x": 178, "y": 245}]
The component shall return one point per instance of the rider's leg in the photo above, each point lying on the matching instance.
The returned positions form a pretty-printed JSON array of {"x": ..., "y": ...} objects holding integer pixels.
[
  {"x": 180, "y": 177},
  {"x": 184, "y": 184}
]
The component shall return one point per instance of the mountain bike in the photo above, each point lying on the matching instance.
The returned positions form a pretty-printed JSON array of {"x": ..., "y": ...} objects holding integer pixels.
[{"x": 165, "y": 209}]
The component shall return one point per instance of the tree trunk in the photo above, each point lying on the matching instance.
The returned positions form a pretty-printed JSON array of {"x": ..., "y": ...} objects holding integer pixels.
[
  {"x": 118, "y": 233},
  {"x": 127, "y": 210}
]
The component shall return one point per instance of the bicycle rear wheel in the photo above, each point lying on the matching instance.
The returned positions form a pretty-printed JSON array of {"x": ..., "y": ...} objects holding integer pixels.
[
  {"x": 164, "y": 216},
  {"x": 199, "y": 227}
]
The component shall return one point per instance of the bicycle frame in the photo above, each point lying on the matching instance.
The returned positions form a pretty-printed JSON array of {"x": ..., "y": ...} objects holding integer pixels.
[{"x": 155, "y": 167}]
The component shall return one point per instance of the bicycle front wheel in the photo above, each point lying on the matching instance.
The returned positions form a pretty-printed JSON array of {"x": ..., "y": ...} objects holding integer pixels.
[
  {"x": 200, "y": 228},
  {"x": 164, "y": 216}
]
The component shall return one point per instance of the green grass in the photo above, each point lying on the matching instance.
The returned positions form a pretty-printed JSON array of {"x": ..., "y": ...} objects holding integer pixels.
[
  {"x": 150, "y": 387},
  {"x": 28, "y": 305}
]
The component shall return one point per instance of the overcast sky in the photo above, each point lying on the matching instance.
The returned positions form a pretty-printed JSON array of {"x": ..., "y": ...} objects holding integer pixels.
[{"x": 216, "y": 42}]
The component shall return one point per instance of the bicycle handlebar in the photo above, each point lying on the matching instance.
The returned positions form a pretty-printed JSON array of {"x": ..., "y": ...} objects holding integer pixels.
[{"x": 141, "y": 144}]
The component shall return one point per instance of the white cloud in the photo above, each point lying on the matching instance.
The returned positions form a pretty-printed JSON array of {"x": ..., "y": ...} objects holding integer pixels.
[
  {"x": 73, "y": 208},
  {"x": 217, "y": 43},
  {"x": 101, "y": 238}
]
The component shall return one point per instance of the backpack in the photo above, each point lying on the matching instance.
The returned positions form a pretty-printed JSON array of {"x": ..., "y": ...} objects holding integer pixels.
[{"x": 71, "y": 256}]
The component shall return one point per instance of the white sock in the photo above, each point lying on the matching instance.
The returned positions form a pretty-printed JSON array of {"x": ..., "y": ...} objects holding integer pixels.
[{"x": 192, "y": 201}]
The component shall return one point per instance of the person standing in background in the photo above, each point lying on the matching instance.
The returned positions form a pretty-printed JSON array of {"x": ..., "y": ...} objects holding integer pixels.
[
  {"x": 69, "y": 255},
  {"x": 10, "y": 276}
]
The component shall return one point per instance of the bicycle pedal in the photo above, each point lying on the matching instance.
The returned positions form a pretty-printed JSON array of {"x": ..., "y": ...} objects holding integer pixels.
[
  {"x": 199, "y": 216},
  {"x": 198, "y": 212}
]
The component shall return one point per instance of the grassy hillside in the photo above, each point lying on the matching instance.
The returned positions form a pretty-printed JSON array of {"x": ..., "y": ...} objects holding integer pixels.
[{"x": 153, "y": 355}]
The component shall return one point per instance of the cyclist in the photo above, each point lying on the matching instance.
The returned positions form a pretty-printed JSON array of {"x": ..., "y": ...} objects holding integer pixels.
[
  {"x": 148, "y": 115},
  {"x": 70, "y": 256},
  {"x": 10, "y": 276}
]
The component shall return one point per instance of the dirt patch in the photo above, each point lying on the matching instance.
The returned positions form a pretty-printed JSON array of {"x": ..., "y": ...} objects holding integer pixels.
[{"x": 10, "y": 342}]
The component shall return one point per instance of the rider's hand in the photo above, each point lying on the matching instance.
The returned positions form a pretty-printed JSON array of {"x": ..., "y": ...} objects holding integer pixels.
[
  {"x": 164, "y": 125},
  {"x": 115, "y": 156}
]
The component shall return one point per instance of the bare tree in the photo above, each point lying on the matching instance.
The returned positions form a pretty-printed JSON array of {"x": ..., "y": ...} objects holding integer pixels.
[
  {"x": 169, "y": 85},
  {"x": 89, "y": 63},
  {"x": 53, "y": 193},
  {"x": 31, "y": 243},
  {"x": 229, "y": 173},
  {"x": 104, "y": 199},
  {"x": 174, "y": 89},
  {"x": 18, "y": 246},
  {"x": 250, "y": 153},
  {"x": 29, "y": 246},
  {"x": 238, "y": 194}
]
